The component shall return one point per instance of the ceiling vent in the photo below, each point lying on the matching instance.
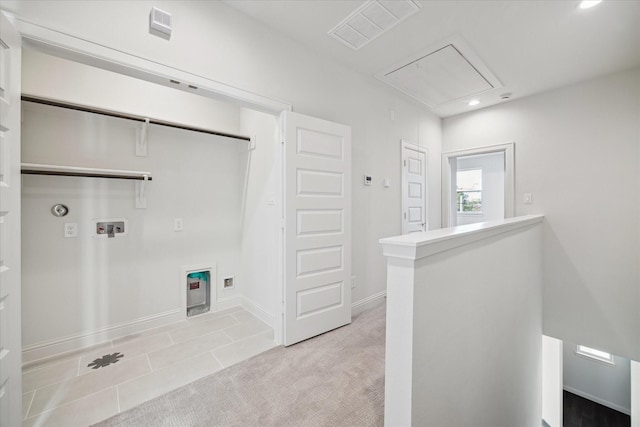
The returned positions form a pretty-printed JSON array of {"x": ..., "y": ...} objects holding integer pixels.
[
  {"x": 371, "y": 20},
  {"x": 447, "y": 72},
  {"x": 160, "y": 23}
]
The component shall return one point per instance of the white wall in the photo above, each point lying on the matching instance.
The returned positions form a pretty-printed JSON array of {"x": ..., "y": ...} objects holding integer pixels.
[
  {"x": 467, "y": 351},
  {"x": 476, "y": 332},
  {"x": 492, "y": 166},
  {"x": 79, "y": 286},
  {"x": 259, "y": 257},
  {"x": 609, "y": 385},
  {"x": 578, "y": 153},
  {"x": 213, "y": 40},
  {"x": 49, "y": 77}
]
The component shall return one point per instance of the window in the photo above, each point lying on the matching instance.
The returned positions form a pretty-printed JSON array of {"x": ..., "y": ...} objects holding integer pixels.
[
  {"x": 469, "y": 191},
  {"x": 592, "y": 353}
]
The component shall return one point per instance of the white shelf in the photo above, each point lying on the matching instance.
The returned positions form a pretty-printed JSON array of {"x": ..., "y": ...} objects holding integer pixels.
[{"x": 39, "y": 169}]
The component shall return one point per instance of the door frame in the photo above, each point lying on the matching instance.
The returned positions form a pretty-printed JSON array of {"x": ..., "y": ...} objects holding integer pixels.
[
  {"x": 448, "y": 198},
  {"x": 406, "y": 144},
  {"x": 85, "y": 52},
  {"x": 68, "y": 47}
]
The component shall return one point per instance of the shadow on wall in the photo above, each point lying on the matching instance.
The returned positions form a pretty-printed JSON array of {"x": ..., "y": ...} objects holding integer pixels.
[{"x": 562, "y": 281}]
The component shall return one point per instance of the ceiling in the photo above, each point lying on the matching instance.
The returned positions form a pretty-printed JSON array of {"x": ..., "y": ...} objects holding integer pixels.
[{"x": 531, "y": 46}]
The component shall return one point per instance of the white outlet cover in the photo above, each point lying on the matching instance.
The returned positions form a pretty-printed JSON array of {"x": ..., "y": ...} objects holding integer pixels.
[
  {"x": 70, "y": 229},
  {"x": 178, "y": 224}
]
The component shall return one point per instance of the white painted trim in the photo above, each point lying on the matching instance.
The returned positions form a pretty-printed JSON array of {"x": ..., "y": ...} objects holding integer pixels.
[
  {"x": 403, "y": 172},
  {"x": 279, "y": 326},
  {"x": 86, "y": 52},
  {"x": 448, "y": 219},
  {"x": 415, "y": 246},
  {"x": 228, "y": 302},
  {"x": 71, "y": 343},
  {"x": 635, "y": 394},
  {"x": 257, "y": 311},
  {"x": 368, "y": 302},
  {"x": 398, "y": 384},
  {"x": 552, "y": 369},
  {"x": 597, "y": 400}
]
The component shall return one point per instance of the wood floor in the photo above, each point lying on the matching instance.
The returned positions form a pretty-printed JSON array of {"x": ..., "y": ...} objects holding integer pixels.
[{"x": 580, "y": 412}]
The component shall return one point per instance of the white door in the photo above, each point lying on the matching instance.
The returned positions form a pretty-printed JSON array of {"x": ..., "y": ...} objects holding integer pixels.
[
  {"x": 414, "y": 192},
  {"x": 10, "y": 322},
  {"x": 317, "y": 222}
]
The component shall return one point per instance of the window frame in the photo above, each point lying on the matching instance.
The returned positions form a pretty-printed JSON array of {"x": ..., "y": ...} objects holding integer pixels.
[
  {"x": 470, "y": 213},
  {"x": 595, "y": 354}
]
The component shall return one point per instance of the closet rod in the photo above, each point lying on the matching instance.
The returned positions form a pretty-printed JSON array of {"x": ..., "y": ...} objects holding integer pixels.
[
  {"x": 129, "y": 117},
  {"x": 57, "y": 170}
]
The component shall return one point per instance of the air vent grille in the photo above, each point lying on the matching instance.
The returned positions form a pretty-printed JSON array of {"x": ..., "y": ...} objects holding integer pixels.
[{"x": 371, "y": 20}]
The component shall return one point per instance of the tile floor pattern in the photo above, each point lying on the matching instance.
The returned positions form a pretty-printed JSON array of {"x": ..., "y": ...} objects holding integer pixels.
[{"x": 64, "y": 391}]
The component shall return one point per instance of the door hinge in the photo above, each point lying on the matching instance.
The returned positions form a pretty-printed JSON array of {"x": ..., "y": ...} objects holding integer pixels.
[{"x": 405, "y": 163}]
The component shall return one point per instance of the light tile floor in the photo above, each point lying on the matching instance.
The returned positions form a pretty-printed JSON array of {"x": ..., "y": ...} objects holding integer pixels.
[{"x": 65, "y": 391}]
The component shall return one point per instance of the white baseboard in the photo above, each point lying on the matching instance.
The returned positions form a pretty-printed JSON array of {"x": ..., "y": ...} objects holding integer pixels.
[
  {"x": 368, "y": 302},
  {"x": 596, "y": 399},
  {"x": 228, "y": 302},
  {"x": 44, "y": 350},
  {"x": 258, "y": 311}
]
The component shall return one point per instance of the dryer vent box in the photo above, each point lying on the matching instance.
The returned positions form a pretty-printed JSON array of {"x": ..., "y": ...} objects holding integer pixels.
[{"x": 160, "y": 22}]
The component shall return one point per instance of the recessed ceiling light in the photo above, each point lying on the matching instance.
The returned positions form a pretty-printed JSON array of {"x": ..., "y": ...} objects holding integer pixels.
[
  {"x": 473, "y": 102},
  {"x": 588, "y": 4}
]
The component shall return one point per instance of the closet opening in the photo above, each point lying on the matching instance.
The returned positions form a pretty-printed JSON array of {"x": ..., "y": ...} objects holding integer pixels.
[{"x": 195, "y": 180}]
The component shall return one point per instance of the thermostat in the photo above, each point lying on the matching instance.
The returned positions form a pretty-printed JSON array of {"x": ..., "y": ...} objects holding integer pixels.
[{"x": 367, "y": 180}]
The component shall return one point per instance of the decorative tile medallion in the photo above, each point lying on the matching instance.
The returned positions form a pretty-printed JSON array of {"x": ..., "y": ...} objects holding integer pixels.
[{"x": 105, "y": 360}]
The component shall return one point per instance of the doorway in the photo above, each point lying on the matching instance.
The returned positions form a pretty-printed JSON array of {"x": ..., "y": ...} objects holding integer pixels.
[
  {"x": 582, "y": 385},
  {"x": 414, "y": 188},
  {"x": 478, "y": 185}
]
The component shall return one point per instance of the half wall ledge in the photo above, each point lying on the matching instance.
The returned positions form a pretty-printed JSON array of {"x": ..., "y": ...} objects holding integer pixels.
[{"x": 420, "y": 245}]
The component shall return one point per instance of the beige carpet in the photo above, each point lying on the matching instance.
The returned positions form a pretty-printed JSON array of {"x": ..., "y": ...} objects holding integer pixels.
[{"x": 335, "y": 379}]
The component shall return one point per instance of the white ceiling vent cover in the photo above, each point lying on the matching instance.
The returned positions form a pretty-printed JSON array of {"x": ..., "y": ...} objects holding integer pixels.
[
  {"x": 444, "y": 73},
  {"x": 372, "y": 19},
  {"x": 160, "y": 22}
]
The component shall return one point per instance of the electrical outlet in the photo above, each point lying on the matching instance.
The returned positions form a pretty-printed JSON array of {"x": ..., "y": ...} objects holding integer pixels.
[
  {"x": 70, "y": 229},
  {"x": 527, "y": 198},
  {"x": 177, "y": 224},
  {"x": 353, "y": 282}
]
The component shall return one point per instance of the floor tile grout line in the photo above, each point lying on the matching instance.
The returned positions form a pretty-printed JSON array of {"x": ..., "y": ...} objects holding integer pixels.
[
  {"x": 240, "y": 340},
  {"x": 216, "y": 358},
  {"x": 97, "y": 391},
  {"x": 78, "y": 370},
  {"x": 253, "y": 335},
  {"x": 149, "y": 362},
  {"x": 210, "y": 350},
  {"x": 118, "y": 398},
  {"x": 29, "y": 407},
  {"x": 68, "y": 403},
  {"x": 74, "y": 377}
]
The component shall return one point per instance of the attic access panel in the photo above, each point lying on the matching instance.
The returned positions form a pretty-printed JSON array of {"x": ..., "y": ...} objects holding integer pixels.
[{"x": 441, "y": 76}]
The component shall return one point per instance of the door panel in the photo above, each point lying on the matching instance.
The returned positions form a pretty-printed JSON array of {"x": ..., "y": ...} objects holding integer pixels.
[
  {"x": 317, "y": 218},
  {"x": 10, "y": 304},
  {"x": 414, "y": 170}
]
